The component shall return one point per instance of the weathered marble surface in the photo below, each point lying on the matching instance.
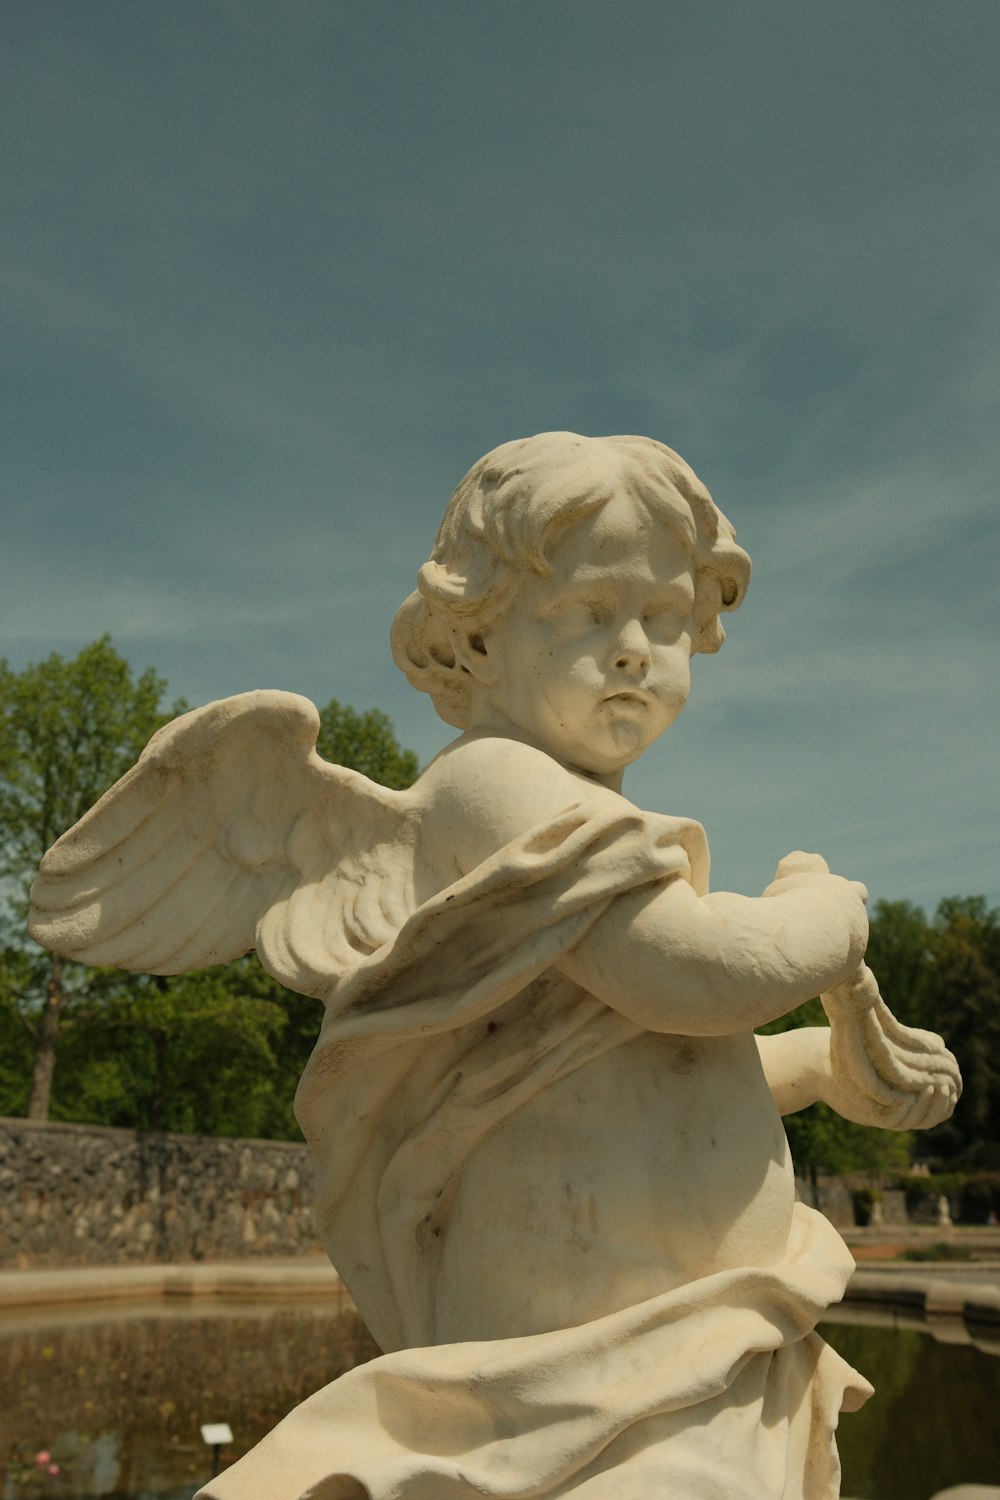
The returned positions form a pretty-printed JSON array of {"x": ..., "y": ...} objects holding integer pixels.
[{"x": 550, "y": 1161}]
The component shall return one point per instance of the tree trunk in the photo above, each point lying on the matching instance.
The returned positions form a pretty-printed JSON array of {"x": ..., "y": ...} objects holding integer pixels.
[
  {"x": 814, "y": 1184},
  {"x": 45, "y": 1050},
  {"x": 158, "y": 1102}
]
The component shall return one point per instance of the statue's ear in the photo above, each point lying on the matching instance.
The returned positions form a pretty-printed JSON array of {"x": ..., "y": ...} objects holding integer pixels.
[{"x": 473, "y": 653}]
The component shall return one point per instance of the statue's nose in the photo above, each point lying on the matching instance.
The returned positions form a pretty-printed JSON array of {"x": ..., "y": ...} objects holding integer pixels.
[{"x": 633, "y": 648}]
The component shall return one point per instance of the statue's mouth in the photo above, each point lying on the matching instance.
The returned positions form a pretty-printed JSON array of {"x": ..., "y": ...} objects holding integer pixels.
[{"x": 629, "y": 696}]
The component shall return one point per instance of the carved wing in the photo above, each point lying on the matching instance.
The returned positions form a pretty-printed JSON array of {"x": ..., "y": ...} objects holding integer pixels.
[{"x": 231, "y": 833}]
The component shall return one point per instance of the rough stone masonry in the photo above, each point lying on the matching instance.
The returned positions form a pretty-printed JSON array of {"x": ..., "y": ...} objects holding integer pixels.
[{"x": 75, "y": 1195}]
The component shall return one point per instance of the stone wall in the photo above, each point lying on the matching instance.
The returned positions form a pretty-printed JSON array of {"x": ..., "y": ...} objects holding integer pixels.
[
  {"x": 79, "y": 1195},
  {"x": 831, "y": 1197},
  {"x": 85, "y": 1195},
  {"x": 834, "y": 1197}
]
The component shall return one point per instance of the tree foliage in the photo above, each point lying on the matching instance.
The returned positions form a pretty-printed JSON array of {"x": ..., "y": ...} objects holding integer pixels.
[
  {"x": 204, "y": 1053},
  {"x": 68, "y": 729},
  {"x": 216, "y": 1051},
  {"x": 963, "y": 1001},
  {"x": 899, "y": 952},
  {"x": 365, "y": 742}
]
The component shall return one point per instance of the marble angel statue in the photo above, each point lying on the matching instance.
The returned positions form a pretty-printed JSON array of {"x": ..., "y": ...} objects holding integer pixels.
[{"x": 550, "y": 1162}]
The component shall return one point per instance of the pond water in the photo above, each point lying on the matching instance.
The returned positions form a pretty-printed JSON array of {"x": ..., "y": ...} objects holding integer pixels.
[{"x": 112, "y": 1398}]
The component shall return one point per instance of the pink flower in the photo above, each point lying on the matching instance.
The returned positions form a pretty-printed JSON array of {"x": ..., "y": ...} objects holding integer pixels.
[
  {"x": 53, "y": 1469},
  {"x": 41, "y": 1459}
]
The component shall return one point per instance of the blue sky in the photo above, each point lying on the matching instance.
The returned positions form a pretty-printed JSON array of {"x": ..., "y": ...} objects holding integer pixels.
[{"x": 276, "y": 274}]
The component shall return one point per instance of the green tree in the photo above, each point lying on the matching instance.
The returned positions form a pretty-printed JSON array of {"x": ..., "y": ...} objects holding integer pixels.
[
  {"x": 198, "y": 1053},
  {"x": 365, "y": 742},
  {"x": 963, "y": 1002},
  {"x": 68, "y": 729},
  {"x": 900, "y": 953},
  {"x": 212, "y": 1052},
  {"x": 215, "y": 1051}
]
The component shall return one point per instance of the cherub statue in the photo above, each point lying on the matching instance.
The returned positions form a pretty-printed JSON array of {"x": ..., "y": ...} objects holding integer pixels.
[{"x": 550, "y": 1162}]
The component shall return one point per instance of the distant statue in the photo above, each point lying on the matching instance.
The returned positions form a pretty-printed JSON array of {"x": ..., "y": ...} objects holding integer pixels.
[
  {"x": 944, "y": 1213},
  {"x": 550, "y": 1162},
  {"x": 877, "y": 1220}
]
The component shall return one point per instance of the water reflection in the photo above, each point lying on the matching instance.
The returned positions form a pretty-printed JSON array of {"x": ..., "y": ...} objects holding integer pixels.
[
  {"x": 116, "y": 1396},
  {"x": 113, "y": 1396},
  {"x": 933, "y": 1421}
]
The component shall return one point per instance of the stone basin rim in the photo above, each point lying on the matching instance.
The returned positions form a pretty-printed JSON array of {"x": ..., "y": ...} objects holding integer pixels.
[{"x": 960, "y": 1290}]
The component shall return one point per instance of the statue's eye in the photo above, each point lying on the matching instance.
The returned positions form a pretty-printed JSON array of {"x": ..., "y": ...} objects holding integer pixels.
[
  {"x": 663, "y": 622},
  {"x": 570, "y": 615},
  {"x": 578, "y": 615}
]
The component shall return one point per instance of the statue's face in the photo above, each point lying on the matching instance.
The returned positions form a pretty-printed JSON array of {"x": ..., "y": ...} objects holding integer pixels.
[{"x": 592, "y": 663}]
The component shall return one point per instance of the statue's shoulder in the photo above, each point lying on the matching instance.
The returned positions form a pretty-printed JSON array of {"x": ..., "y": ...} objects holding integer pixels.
[{"x": 485, "y": 790}]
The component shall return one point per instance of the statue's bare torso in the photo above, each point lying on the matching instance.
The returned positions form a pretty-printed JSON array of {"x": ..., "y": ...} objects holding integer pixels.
[
  {"x": 661, "y": 1160},
  {"x": 672, "y": 1164}
]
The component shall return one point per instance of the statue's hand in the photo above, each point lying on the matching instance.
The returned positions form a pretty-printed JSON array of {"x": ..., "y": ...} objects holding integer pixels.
[
  {"x": 885, "y": 1073},
  {"x": 798, "y": 868},
  {"x": 799, "y": 863},
  {"x": 834, "y": 901}
]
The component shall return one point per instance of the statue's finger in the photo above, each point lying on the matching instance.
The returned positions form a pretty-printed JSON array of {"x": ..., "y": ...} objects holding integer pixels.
[{"x": 800, "y": 863}]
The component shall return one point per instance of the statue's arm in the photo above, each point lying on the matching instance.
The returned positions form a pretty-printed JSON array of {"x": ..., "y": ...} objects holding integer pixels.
[
  {"x": 714, "y": 965},
  {"x": 797, "y": 1067},
  {"x": 720, "y": 964},
  {"x": 665, "y": 957}
]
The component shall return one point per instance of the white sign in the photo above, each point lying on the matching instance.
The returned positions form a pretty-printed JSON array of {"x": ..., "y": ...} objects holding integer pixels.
[{"x": 216, "y": 1432}]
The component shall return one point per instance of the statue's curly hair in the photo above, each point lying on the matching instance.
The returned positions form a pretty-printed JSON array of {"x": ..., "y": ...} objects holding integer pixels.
[{"x": 512, "y": 505}]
